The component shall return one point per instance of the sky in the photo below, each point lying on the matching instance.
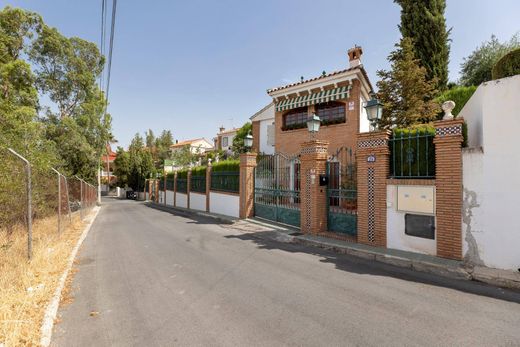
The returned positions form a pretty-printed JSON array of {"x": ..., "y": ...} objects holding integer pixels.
[{"x": 192, "y": 66}]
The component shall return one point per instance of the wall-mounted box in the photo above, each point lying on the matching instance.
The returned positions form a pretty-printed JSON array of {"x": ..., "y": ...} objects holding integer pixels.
[{"x": 419, "y": 199}]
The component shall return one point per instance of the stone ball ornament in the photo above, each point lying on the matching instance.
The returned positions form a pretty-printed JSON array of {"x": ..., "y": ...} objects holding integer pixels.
[{"x": 447, "y": 107}]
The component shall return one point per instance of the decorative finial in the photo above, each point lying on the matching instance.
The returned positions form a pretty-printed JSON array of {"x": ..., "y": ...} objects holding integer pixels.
[
  {"x": 323, "y": 73},
  {"x": 447, "y": 107},
  {"x": 301, "y": 79}
]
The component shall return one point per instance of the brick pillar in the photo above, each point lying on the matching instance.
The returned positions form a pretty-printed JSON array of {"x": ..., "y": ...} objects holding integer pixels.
[
  {"x": 188, "y": 189},
  {"x": 313, "y": 197},
  {"x": 208, "y": 184},
  {"x": 448, "y": 181},
  {"x": 373, "y": 165},
  {"x": 175, "y": 189},
  {"x": 156, "y": 191},
  {"x": 247, "y": 184},
  {"x": 164, "y": 186}
]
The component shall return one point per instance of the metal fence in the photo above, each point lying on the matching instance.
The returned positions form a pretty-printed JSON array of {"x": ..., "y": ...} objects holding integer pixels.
[
  {"x": 225, "y": 181},
  {"x": 412, "y": 155},
  {"x": 28, "y": 195},
  {"x": 182, "y": 185},
  {"x": 198, "y": 183}
]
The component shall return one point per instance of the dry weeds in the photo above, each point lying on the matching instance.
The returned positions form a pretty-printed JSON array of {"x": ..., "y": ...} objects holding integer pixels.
[{"x": 26, "y": 287}]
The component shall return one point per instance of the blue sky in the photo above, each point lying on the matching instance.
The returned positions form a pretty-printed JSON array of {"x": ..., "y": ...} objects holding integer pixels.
[{"x": 191, "y": 66}]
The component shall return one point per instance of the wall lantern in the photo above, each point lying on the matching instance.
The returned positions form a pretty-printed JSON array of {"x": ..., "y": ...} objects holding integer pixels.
[
  {"x": 374, "y": 110},
  {"x": 248, "y": 141},
  {"x": 313, "y": 124}
]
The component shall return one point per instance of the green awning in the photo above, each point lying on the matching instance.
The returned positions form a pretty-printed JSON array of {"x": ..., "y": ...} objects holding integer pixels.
[{"x": 315, "y": 98}]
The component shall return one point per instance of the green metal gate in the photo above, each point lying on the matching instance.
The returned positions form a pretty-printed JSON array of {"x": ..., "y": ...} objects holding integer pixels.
[
  {"x": 277, "y": 189},
  {"x": 342, "y": 192}
]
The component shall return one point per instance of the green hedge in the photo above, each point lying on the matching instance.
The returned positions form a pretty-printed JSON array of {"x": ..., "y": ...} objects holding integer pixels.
[
  {"x": 182, "y": 174},
  {"x": 460, "y": 95},
  {"x": 226, "y": 165},
  {"x": 508, "y": 65},
  {"x": 198, "y": 171}
]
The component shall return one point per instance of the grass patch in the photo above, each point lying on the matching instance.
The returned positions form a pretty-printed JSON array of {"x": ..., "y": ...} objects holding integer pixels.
[{"x": 26, "y": 287}]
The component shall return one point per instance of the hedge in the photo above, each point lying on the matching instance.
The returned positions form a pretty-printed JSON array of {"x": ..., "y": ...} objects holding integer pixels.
[
  {"x": 508, "y": 65},
  {"x": 198, "y": 171},
  {"x": 460, "y": 95},
  {"x": 226, "y": 165}
]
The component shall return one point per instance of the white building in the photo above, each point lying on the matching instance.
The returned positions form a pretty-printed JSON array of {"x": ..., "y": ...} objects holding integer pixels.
[
  {"x": 263, "y": 130},
  {"x": 224, "y": 139},
  {"x": 197, "y": 146}
]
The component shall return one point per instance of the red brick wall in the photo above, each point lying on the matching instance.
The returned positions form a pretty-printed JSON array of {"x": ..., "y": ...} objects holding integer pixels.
[{"x": 338, "y": 135}]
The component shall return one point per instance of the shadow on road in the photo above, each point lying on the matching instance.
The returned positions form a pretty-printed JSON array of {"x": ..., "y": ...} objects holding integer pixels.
[
  {"x": 195, "y": 217},
  {"x": 267, "y": 241}
]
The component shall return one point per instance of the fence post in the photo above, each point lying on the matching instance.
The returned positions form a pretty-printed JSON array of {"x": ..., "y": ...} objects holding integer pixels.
[
  {"x": 68, "y": 198},
  {"x": 29, "y": 201},
  {"x": 208, "y": 185},
  {"x": 373, "y": 167},
  {"x": 247, "y": 184},
  {"x": 164, "y": 187},
  {"x": 175, "y": 189},
  {"x": 313, "y": 196},
  {"x": 188, "y": 188},
  {"x": 59, "y": 199},
  {"x": 448, "y": 181},
  {"x": 80, "y": 197}
]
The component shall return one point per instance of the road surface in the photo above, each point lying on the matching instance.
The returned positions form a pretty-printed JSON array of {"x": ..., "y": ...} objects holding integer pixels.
[{"x": 151, "y": 278}]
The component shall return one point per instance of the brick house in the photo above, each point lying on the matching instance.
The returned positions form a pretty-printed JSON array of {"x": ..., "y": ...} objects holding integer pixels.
[
  {"x": 337, "y": 98},
  {"x": 224, "y": 139}
]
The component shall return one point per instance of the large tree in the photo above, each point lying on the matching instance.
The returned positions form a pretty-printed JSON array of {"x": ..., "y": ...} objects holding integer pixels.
[
  {"x": 406, "y": 93},
  {"x": 476, "y": 68},
  {"x": 424, "y": 22},
  {"x": 238, "y": 141}
]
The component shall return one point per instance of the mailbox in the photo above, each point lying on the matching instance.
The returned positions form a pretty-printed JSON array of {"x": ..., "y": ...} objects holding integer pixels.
[{"x": 324, "y": 180}]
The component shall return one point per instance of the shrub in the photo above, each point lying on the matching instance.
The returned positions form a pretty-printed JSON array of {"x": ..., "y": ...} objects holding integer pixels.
[
  {"x": 182, "y": 174},
  {"x": 459, "y": 94},
  {"x": 226, "y": 165},
  {"x": 508, "y": 65},
  {"x": 198, "y": 171},
  {"x": 412, "y": 152}
]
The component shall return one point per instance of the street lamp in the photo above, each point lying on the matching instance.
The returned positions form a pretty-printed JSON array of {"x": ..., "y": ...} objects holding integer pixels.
[
  {"x": 374, "y": 110},
  {"x": 248, "y": 141},
  {"x": 313, "y": 124}
]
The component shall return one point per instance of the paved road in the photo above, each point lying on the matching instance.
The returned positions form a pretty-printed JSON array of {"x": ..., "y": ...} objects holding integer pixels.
[{"x": 159, "y": 279}]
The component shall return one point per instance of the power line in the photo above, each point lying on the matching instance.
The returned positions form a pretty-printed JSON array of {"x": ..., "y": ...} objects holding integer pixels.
[
  {"x": 111, "y": 46},
  {"x": 102, "y": 43}
]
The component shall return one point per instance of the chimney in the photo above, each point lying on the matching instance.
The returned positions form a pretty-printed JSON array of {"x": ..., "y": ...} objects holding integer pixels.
[
  {"x": 221, "y": 129},
  {"x": 354, "y": 56}
]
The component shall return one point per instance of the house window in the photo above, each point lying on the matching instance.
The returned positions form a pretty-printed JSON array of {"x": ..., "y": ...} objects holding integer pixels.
[
  {"x": 295, "y": 119},
  {"x": 225, "y": 142},
  {"x": 331, "y": 112}
]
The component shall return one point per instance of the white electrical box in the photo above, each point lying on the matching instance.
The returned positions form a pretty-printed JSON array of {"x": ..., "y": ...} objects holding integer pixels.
[{"x": 416, "y": 199}]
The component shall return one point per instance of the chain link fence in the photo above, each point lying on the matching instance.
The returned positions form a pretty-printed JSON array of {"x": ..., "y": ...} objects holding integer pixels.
[{"x": 28, "y": 195}]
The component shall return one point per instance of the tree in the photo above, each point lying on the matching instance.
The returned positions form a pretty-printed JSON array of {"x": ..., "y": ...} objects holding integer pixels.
[
  {"x": 140, "y": 162},
  {"x": 425, "y": 24},
  {"x": 238, "y": 141},
  {"x": 476, "y": 68},
  {"x": 122, "y": 167},
  {"x": 163, "y": 144},
  {"x": 405, "y": 91},
  {"x": 184, "y": 156}
]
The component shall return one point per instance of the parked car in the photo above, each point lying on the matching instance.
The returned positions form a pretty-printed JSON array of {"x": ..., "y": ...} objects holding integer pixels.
[{"x": 131, "y": 195}]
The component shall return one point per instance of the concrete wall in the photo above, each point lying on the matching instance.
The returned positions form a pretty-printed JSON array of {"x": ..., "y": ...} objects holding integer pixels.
[
  {"x": 169, "y": 197},
  {"x": 182, "y": 200},
  {"x": 198, "y": 201},
  {"x": 226, "y": 204},
  {"x": 265, "y": 147},
  {"x": 491, "y": 175},
  {"x": 396, "y": 237}
]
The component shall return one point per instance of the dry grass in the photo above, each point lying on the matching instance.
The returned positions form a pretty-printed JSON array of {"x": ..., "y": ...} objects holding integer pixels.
[{"x": 26, "y": 287}]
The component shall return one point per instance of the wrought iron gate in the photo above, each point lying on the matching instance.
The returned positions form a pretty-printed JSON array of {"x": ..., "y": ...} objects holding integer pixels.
[
  {"x": 277, "y": 189},
  {"x": 342, "y": 192}
]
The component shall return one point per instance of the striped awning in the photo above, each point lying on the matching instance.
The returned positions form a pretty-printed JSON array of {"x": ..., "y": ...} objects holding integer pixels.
[{"x": 316, "y": 98}]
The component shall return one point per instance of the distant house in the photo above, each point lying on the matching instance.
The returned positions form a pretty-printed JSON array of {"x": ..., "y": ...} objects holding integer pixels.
[
  {"x": 263, "y": 130},
  {"x": 108, "y": 167},
  {"x": 224, "y": 139},
  {"x": 197, "y": 146},
  {"x": 169, "y": 165}
]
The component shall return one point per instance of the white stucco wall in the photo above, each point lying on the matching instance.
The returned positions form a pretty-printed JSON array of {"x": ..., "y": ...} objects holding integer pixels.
[
  {"x": 198, "y": 201},
  {"x": 395, "y": 235},
  {"x": 265, "y": 147},
  {"x": 225, "y": 204},
  {"x": 169, "y": 197},
  {"x": 491, "y": 175},
  {"x": 364, "y": 124},
  {"x": 182, "y": 200}
]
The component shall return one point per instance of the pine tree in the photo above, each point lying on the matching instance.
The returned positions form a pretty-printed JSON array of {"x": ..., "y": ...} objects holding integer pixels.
[
  {"x": 407, "y": 95},
  {"x": 424, "y": 22}
]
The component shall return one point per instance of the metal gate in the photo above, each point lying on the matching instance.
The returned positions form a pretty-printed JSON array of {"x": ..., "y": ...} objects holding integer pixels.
[
  {"x": 342, "y": 192},
  {"x": 277, "y": 189}
]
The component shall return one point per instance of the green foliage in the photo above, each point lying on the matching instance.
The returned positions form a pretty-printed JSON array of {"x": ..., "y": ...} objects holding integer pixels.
[
  {"x": 122, "y": 167},
  {"x": 425, "y": 24},
  {"x": 508, "y": 65},
  {"x": 198, "y": 171},
  {"x": 477, "y": 67},
  {"x": 405, "y": 92},
  {"x": 412, "y": 152},
  {"x": 182, "y": 174},
  {"x": 184, "y": 156},
  {"x": 229, "y": 165},
  {"x": 238, "y": 141},
  {"x": 460, "y": 95}
]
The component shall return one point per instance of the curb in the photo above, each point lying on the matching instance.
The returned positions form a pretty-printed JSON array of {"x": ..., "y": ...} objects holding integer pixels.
[
  {"x": 459, "y": 273},
  {"x": 181, "y": 210},
  {"x": 52, "y": 307}
]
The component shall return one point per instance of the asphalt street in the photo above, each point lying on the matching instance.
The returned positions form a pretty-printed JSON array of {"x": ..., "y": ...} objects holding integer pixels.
[{"x": 147, "y": 277}]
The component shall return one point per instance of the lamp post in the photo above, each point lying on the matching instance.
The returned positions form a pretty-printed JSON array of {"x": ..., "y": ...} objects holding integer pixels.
[
  {"x": 313, "y": 125},
  {"x": 374, "y": 110},
  {"x": 248, "y": 142}
]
